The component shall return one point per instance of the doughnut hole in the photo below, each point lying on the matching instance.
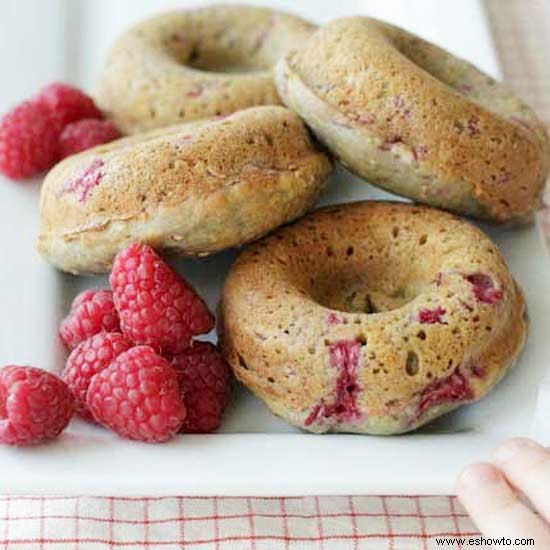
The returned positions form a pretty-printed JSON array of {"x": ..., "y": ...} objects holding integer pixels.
[
  {"x": 360, "y": 295},
  {"x": 370, "y": 280},
  {"x": 245, "y": 46},
  {"x": 465, "y": 80},
  {"x": 217, "y": 56},
  {"x": 196, "y": 63},
  {"x": 459, "y": 75}
]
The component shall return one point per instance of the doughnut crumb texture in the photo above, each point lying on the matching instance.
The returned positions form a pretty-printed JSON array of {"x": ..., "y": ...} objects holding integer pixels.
[{"x": 371, "y": 317}]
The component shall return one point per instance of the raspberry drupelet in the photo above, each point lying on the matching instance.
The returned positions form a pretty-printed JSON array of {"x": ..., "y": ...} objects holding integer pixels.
[{"x": 92, "y": 311}]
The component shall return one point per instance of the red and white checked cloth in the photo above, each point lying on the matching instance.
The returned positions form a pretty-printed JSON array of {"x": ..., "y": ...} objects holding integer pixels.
[
  {"x": 522, "y": 32},
  {"x": 294, "y": 523}
]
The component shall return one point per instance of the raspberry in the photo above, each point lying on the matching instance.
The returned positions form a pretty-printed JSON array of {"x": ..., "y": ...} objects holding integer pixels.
[
  {"x": 92, "y": 311},
  {"x": 156, "y": 306},
  {"x": 67, "y": 104},
  {"x": 83, "y": 134},
  {"x": 453, "y": 388},
  {"x": 137, "y": 396},
  {"x": 83, "y": 296},
  {"x": 88, "y": 358},
  {"x": 28, "y": 141},
  {"x": 35, "y": 405},
  {"x": 203, "y": 378}
]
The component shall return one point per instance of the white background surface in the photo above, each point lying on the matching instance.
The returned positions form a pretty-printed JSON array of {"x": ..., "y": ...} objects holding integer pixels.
[{"x": 45, "y": 40}]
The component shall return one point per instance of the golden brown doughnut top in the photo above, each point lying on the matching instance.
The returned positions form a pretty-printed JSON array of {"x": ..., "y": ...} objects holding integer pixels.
[
  {"x": 410, "y": 95},
  {"x": 371, "y": 317},
  {"x": 195, "y": 188}
]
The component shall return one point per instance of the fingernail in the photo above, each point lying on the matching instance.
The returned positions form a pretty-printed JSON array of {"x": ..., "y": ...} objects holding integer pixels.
[
  {"x": 479, "y": 475},
  {"x": 510, "y": 449}
]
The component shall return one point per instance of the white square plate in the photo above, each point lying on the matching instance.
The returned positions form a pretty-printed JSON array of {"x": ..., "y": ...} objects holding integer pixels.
[{"x": 256, "y": 454}]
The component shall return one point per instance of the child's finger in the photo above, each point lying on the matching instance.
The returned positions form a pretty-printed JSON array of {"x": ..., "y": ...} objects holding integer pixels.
[
  {"x": 526, "y": 465},
  {"x": 496, "y": 508}
]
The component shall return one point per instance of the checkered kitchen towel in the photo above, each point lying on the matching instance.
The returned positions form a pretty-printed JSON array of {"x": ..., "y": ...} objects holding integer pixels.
[
  {"x": 294, "y": 523},
  {"x": 521, "y": 30}
]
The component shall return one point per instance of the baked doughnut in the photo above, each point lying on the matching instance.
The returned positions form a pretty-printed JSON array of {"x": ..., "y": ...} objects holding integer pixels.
[
  {"x": 371, "y": 317},
  {"x": 195, "y": 189},
  {"x": 195, "y": 64},
  {"x": 417, "y": 121}
]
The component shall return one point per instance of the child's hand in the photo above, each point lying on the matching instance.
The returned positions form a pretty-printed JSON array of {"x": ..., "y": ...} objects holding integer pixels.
[{"x": 494, "y": 494}]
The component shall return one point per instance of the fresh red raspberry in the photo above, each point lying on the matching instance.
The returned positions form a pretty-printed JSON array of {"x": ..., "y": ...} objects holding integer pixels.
[
  {"x": 28, "y": 141},
  {"x": 67, "y": 104},
  {"x": 137, "y": 396},
  {"x": 88, "y": 358},
  {"x": 156, "y": 306},
  {"x": 35, "y": 405},
  {"x": 83, "y": 134},
  {"x": 92, "y": 311},
  {"x": 203, "y": 378}
]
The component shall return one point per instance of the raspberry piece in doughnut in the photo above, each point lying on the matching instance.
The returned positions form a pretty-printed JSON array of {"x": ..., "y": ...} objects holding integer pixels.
[
  {"x": 345, "y": 356},
  {"x": 389, "y": 142},
  {"x": 432, "y": 316},
  {"x": 83, "y": 185},
  {"x": 453, "y": 388},
  {"x": 334, "y": 319},
  {"x": 484, "y": 288},
  {"x": 420, "y": 152}
]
